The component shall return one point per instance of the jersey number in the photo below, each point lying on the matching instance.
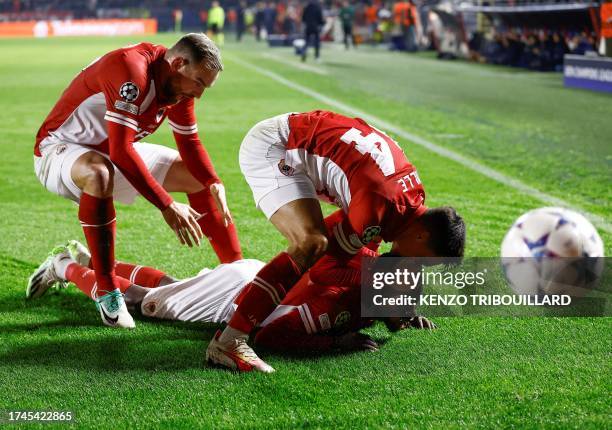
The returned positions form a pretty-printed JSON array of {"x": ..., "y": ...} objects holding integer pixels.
[{"x": 374, "y": 145}]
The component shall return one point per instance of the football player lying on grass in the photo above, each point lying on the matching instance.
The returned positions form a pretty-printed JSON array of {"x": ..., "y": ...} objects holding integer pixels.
[{"x": 322, "y": 311}]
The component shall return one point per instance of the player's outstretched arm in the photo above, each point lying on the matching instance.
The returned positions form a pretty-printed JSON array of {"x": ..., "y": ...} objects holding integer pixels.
[
  {"x": 276, "y": 336},
  {"x": 183, "y": 122},
  {"x": 180, "y": 217}
]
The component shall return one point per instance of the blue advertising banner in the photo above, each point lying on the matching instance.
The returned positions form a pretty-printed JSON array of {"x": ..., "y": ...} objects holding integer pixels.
[{"x": 591, "y": 73}]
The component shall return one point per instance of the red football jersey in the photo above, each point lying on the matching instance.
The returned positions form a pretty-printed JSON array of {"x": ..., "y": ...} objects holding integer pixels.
[
  {"x": 313, "y": 312},
  {"x": 360, "y": 169},
  {"x": 118, "y": 99}
]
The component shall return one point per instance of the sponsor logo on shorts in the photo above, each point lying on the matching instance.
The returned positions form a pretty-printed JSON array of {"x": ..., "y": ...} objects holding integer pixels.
[
  {"x": 342, "y": 319},
  {"x": 324, "y": 322},
  {"x": 285, "y": 169},
  {"x": 125, "y": 106},
  {"x": 370, "y": 233},
  {"x": 60, "y": 149},
  {"x": 129, "y": 91}
]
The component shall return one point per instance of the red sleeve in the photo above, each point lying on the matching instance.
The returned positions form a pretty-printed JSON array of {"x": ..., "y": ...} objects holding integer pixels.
[
  {"x": 332, "y": 220},
  {"x": 126, "y": 159},
  {"x": 124, "y": 84},
  {"x": 277, "y": 336},
  {"x": 361, "y": 225},
  {"x": 330, "y": 270},
  {"x": 122, "y": 78},
  {"x": 182, "y": 120}
]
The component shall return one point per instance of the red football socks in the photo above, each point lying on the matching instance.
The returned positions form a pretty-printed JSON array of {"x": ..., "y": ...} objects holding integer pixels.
[
  {"x": 97, "y": 216},
  {"x": 224, "y": 240},
  {"x": 265, "y": 292},
  {"x": 140, "y": 275},
  {"x": 85, "y": 280}
]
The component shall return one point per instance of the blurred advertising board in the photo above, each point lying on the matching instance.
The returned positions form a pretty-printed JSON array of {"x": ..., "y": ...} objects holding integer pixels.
[
  {"x": 78, "y": 27},
  {"x": 590, "y": 73}
]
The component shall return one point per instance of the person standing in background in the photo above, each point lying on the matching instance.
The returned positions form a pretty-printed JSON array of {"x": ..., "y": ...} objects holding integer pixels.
[
  {"x": 413, "y": 27},
  {"x": 259, "y": 20},
  {"x": 240, "y": 21},
  {"x": 216, "y": 20},
  {"x": 269, "y": 18},
  {"x": 371, "y": 17},
  {"x": 347, "y": 16},
  {"x": 178, "y": 20},
  {"x": 312, "y": 18}
]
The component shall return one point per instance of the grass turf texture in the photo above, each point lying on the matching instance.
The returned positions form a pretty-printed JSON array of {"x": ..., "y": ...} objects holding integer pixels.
[{"x": 487, "y": 372}]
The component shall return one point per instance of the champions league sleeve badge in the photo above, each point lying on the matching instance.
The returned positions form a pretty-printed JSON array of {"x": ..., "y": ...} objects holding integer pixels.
[{"x": 129, "y": 91}]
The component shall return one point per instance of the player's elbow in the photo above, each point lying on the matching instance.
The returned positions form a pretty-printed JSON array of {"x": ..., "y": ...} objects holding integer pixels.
[{"x": 309, "y": 247}]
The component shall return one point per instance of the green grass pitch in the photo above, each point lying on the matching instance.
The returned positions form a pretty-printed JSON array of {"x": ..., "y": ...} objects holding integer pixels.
[{"x": 474, "y": 372}]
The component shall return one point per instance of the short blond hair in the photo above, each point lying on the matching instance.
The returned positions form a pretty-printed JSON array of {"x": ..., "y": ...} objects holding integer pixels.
[{"x": 198, "y": 47}]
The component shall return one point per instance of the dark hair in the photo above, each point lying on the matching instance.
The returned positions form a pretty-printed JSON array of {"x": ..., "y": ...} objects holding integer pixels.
[
  {"x": 446, "y": 231},
  {"x": 198, "y": 47}
]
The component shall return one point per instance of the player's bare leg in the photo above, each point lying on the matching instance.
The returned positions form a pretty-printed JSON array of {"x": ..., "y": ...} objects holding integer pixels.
[
  {"x": 221, "y": 234},
  {"x": 94, "y": 175},
  {"x": 301, "y": 222}
]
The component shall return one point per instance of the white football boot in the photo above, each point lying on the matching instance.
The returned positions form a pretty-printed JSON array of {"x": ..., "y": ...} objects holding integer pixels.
[
  {"x": 45, "y": 276},
  {"x": 113, "y": 310},
  {"x": 111, "y": 306},
  {"x": 79, "y": 252},
  {"x": 236, "y": 356}
]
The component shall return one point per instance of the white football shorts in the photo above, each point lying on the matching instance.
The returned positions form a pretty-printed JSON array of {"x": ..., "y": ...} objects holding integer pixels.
[
  {"x": 54, "y": 168},
  {"x": 207, "y": 297},
  {"x": 261, "y": 155}
]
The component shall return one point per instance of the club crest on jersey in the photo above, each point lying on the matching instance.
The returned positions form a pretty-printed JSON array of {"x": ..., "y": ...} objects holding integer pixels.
[
  {"x": 342, "y": 319},
  {"x": 285, "y": 169},
  {"x": 370, "y": 233},
  {"x": 129, "y": 91}
]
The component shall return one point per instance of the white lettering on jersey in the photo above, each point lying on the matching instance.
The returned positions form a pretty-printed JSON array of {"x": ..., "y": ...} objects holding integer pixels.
[
  {"x": 374, "y": 145},
  {"x": 409, "y": 181}
]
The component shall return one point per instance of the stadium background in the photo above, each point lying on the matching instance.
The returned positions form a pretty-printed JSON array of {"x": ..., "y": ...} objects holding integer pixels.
[{"x": 476, "y": 372}]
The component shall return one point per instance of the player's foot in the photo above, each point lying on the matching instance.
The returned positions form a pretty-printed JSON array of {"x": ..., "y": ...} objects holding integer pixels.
[
  {"x": 46, "y": 276},
  {"x": 113, "y": 310},
  {"x": 79, "y": 252},
  {"x": 237, "y": 355}
]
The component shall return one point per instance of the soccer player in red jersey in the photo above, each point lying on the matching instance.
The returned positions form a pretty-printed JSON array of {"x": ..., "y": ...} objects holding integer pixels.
[
  {"x": 88, "y": 150},
  {"x": 321, "y": 312},
  {"x": 293, "y": 160}
]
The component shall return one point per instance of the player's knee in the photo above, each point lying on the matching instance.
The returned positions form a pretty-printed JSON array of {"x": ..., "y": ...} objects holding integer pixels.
[{"x": 99, "y": 180}]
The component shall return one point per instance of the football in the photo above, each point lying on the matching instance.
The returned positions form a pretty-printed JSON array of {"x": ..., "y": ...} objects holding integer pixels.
[{"x": 552, "y": 251}]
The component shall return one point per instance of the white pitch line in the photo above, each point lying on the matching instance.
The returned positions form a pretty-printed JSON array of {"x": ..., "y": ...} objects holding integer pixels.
[
  {"x": 444, "y": 152},
  {"x": 295, "y": 64}
]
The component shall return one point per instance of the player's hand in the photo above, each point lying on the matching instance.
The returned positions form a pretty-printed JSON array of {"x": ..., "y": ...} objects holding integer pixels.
[
  {"x": 217, "y": 190},
  {"x": 355, "y": 341},
  {"x": 418, "y": 322},
  {"x": 182, "y": 219}
]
